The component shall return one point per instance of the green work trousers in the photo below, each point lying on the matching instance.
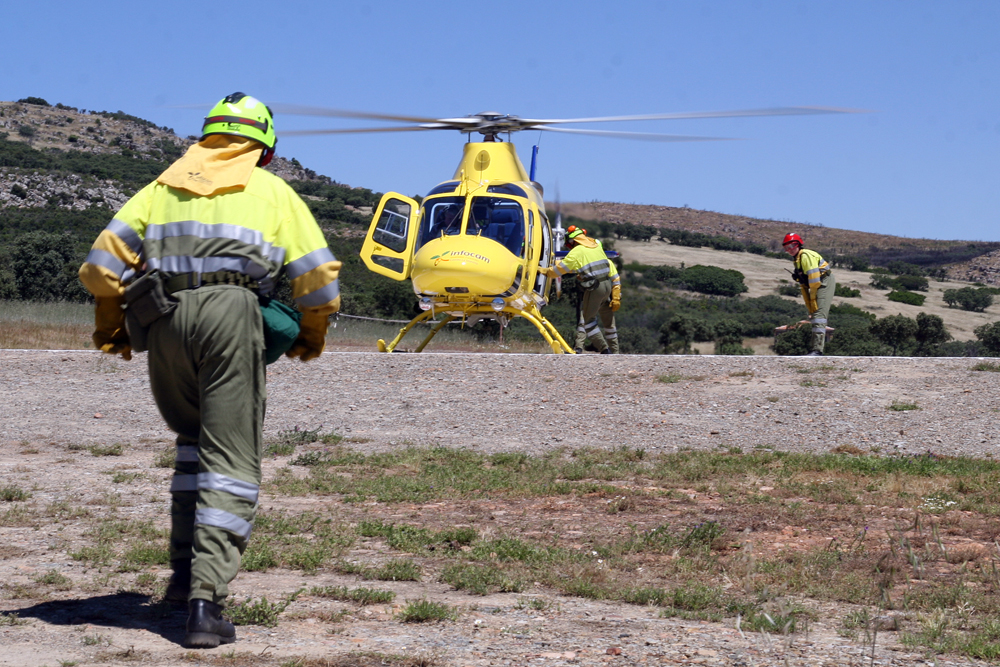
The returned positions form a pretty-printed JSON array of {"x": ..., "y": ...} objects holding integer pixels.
[
  {"x": 599, "y": 319},
  {"x": 206, "y": 370},
  {"x": 581, "y": 334},
  {"x": 824, "y": 299}
]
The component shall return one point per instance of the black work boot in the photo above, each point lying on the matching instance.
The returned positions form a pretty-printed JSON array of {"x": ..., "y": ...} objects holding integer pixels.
[
  {"x": 180, "y": 581},
  {"x": 606, "y": 350},
  {"x": 205, "y": 626}
]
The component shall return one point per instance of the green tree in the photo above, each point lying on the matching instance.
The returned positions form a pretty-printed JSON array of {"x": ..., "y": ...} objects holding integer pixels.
[
  {"x": 931, "y": 334},
  {"x": 677, "y": 334},
  {"x": 989, "y": 336},
  {"x": 729, "y": 338},
  {"x": 637, "y": 340},
  {"x": 896, "y": 331},
  {"x": 969, "y": 298},
  {"x": 45, "y": 267}
]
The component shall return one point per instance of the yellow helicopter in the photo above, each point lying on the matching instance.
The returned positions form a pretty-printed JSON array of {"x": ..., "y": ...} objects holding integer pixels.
[{"x": 472, "y": 248}]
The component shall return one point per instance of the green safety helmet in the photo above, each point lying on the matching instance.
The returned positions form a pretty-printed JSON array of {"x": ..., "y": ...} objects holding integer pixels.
[{"x": 243, "y": 116}]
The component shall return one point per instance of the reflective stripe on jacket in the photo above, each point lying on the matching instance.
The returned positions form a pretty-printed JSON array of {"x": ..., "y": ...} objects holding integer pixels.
[
  {"x": 588, "y": 264},
  {"x": 258, "y": 231}
]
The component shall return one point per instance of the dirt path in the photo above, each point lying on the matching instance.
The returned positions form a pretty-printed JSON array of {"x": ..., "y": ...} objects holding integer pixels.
[{"x": 56, "y": 405}]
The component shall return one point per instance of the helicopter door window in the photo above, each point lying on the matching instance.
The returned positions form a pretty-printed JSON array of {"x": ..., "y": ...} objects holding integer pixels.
[
  {"x": 499, "y": 219},
  {"x": 391, "y": 228},
  {"x": 442, "y": 217}
]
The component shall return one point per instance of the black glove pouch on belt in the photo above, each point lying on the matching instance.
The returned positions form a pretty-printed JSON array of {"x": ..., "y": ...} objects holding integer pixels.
[{"x": 146, "y": 301}]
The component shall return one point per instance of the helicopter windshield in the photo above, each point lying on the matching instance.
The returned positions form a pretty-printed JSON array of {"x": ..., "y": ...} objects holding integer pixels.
[
  {"x": 498, "y": 219},
  {"x": 442, "y": 217}
]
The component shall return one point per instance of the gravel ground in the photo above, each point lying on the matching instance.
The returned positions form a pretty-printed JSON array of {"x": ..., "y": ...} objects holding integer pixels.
[
  {"x": 50, "y": 401},
  {"x": 534, "y": 402}
]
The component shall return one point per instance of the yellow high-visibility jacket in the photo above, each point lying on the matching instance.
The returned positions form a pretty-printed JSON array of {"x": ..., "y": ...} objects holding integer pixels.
[
  {"x": 812, "y": 264},
  {"x": 258, "y": 231},
  {"x": 590, "y": 265}
]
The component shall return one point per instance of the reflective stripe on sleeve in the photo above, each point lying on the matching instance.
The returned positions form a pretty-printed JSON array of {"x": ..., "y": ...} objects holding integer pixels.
[
  {"x": 126, "y": 234},
  {"x": 187, "y": 454},
  {"x": 308, "y": 262},
  {"x": 210, "y": 516},
  {"x": 276, "y": 254},
  {"x": 319, "y": 297},
  {"x": 107, "y": 260},
  {"x": 217, "y": 482}
]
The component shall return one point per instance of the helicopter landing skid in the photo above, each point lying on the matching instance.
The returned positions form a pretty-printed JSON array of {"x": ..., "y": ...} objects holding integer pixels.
[{"x": 544, "y": 327}]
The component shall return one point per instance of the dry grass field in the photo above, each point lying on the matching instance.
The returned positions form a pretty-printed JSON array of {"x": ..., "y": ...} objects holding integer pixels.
[{"x": 764, "y": 275}]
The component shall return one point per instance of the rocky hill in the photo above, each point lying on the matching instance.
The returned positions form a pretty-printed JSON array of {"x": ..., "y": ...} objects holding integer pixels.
[
  {"x": 63, "y": 128},
  {"x": 984, "y": 266}
]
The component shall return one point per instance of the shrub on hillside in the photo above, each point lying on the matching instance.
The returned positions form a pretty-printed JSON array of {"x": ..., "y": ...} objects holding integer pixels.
[
  {"x": 713, "y": 280},
  {"x": 911, "y": 298},
  {"x": 846, "y": 292},
  {"x": 911, "y": 283},
  {"x": 637, "y": 340},
  {"x": 901, "y": 268},
  {"x": 791, "y": 289},
  {"x": 795, "y": 342}
]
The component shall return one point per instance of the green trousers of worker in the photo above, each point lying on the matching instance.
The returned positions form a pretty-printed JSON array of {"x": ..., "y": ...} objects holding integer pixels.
[
  {"x": 207, "y": 373},
  {"x": 824, "y": 299},
  {"x": 581, "y": 334},
  {"x": 599, "y": 319}
]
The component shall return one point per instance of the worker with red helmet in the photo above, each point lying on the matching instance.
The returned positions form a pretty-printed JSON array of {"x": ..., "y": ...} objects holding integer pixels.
[{"x": 817, "y": 284}]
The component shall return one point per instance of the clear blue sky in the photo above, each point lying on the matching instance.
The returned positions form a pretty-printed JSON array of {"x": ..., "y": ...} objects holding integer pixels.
[{"x": 927, "y": 164}]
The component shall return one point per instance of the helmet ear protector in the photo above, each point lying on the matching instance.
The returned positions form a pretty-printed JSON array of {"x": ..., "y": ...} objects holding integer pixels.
[{"x": 242, "y": 115}]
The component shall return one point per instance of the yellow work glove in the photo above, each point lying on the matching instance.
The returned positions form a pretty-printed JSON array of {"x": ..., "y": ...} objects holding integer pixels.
[
  {"x": 548, "y": 271},
  {"x": 616, "y": 298},
  {"x": 312, "y": 337},
  {"x": 110, "y": 334}
]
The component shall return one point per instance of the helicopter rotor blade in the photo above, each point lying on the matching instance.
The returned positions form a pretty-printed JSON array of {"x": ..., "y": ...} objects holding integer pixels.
[
  {"x": 640, "y": 136},
  {"x": 361, "y": 130},
  {"x": 775, "y": 111},
  {"x": 298, "y": 110}
]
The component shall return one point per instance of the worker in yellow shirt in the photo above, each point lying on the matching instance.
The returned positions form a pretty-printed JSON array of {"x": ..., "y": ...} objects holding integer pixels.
[
  {"x": 189, "y": 261},
  {"x": 599, "y": 278},
  {"x": 817, "y": 284}
]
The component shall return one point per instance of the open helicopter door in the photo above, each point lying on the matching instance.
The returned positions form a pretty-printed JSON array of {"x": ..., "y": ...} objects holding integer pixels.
[{"x": 388, "y": 248}]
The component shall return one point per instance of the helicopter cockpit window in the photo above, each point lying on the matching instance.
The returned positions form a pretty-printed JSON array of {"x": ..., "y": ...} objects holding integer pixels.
[
  {"x": 391, "y": 228},
  {"x": 507, "y": 189},
  {"x": 443, "y": 188},
  {"x": 442, "y": 217},
  {"x": 499, "y": 219}
]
